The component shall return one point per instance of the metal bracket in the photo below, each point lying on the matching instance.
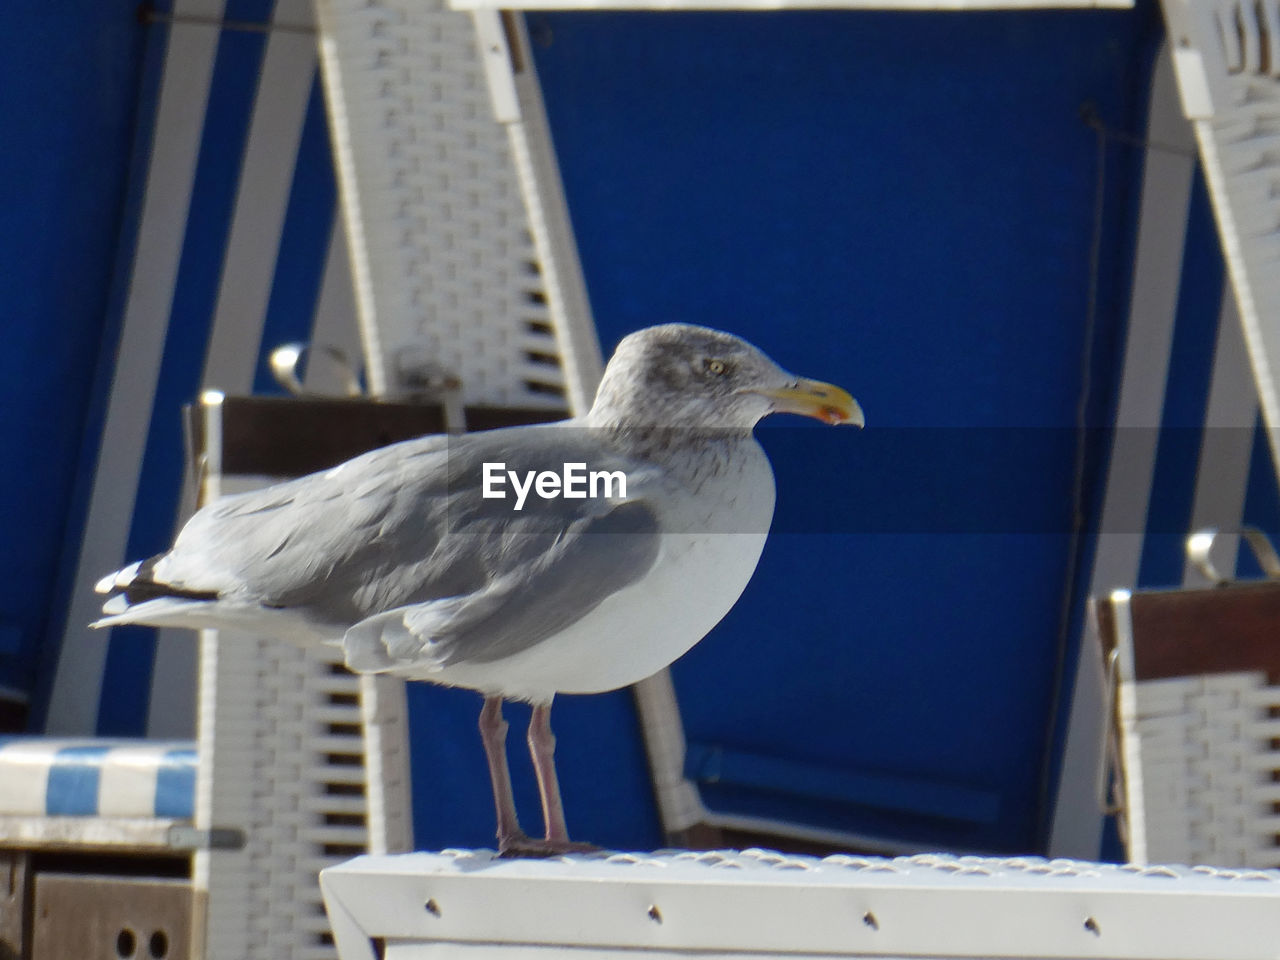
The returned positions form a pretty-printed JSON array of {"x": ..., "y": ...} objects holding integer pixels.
[
  {"x": 1200, "y": 546},
  {"x": 216, "y": 838}
]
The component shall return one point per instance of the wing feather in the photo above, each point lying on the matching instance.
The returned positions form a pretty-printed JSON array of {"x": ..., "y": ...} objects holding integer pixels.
[
  {"x": 527, "y": 604},
  {"x": 401, "y": 527}
]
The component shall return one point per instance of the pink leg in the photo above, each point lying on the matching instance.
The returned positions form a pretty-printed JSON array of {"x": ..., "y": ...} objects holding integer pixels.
[
  {"x": 493, "y": 732},
  {"x": 542, "y": 747}
]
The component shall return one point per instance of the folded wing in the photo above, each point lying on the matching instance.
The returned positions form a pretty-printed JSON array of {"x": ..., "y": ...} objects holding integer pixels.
[
  {"x": 536, "y": 598},
  {"x": 403, "y": 535}
]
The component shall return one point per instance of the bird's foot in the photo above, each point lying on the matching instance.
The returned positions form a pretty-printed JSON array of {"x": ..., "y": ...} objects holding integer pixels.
[{"x": 533, "y": 848}]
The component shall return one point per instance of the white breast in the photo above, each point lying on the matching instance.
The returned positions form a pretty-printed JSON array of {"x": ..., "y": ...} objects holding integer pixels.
[{"x": 642, "y": 628}]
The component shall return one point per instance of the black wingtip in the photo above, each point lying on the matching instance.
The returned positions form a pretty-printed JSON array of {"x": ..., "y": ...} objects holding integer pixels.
[
  {"x": 144, "y": 586},
  {"x": 140, "y": 591}
]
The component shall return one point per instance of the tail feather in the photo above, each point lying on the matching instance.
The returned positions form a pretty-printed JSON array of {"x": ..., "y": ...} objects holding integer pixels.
[
  {"x": 140, "y": 598},
  {"x": 139, "y": 584},
  {"x": 160, "y": 612},
  {"x": 196, "y": 614},
  {"x": 118, "y": 580}
]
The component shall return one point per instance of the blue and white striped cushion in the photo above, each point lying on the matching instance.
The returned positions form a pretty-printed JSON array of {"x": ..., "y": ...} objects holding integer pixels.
[{"x": 97, "y": 778}]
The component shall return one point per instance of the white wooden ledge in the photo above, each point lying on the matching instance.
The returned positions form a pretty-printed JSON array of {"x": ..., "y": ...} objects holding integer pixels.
[
  {"x": 785, "y": 4},
  {"x": 757, "y": 903}
]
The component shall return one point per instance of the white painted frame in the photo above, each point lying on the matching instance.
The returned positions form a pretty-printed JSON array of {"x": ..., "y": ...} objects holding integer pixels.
[
  {"x": 786, "y": 4},
  {"x": 759, "y": 904}
]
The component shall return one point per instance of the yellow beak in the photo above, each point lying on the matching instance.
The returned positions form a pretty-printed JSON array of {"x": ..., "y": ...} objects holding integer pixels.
[{"x": 813, "y": 398}]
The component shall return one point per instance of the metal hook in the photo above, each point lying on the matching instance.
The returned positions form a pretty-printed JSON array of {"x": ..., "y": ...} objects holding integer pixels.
[
  {"x": 1200, "y": 545},
  {"x": 284, "y": 367}
]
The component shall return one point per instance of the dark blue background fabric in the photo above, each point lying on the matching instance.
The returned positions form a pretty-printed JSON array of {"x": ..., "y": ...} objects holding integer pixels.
[
  {"x": 71, "y": 77},
  {"x": 902, "y": 203}
]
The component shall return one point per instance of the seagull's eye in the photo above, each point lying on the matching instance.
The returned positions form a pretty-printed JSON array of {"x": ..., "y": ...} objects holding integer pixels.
[{"x": 717, "y": 368}]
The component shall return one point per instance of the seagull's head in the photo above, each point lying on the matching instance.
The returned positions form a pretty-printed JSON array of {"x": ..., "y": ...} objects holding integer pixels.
[{"x": 677, "y": 375}]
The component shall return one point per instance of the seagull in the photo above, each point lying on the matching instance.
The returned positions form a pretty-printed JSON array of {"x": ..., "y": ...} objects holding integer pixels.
[{"x": 422, "y": 560}]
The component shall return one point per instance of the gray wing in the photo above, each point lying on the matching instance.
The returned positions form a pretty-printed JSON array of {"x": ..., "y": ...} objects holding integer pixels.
[
  {"x": 320, "y": 536},
  {"x": 406, "y": 526},
  {"x": 535, "y": 599}
]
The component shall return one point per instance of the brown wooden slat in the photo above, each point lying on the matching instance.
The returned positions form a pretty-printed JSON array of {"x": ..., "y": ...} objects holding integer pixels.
[
  {"x": 490, "y": 418},
  {"x": 288, "y": 437},
  {"x": 1178, "y": 633},
  {"x": 293, "y": 436}
]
